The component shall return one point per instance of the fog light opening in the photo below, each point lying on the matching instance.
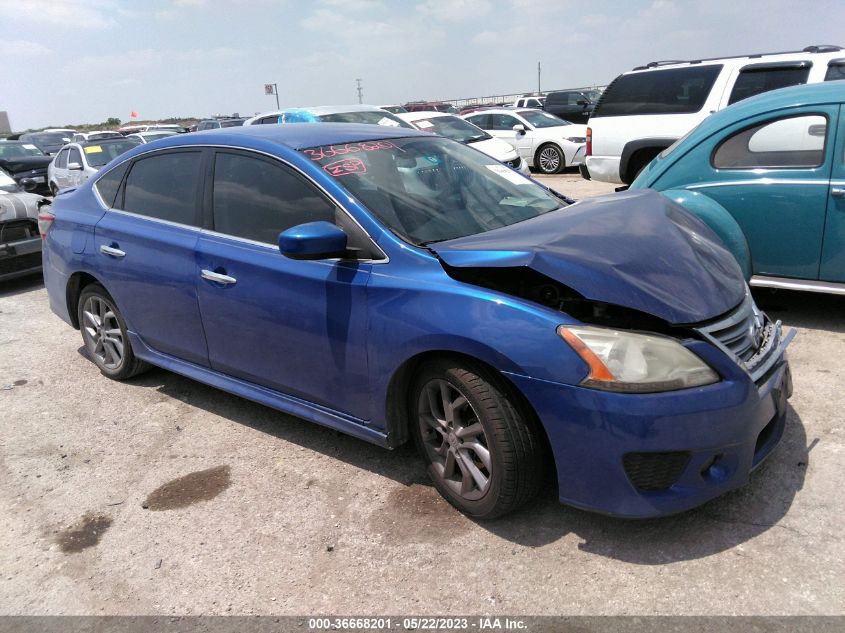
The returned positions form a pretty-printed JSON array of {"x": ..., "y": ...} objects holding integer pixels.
[{"x": 714, "y": 469}]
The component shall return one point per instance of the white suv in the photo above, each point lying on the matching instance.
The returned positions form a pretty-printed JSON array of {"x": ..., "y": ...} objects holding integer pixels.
[{"x": 644, "y": 111}]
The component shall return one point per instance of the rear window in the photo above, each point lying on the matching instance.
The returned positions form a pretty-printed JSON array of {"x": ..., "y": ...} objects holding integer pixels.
[
  {"x": 835, "y": 70},
  {"x": 668, "y": 91},
  {"x": 557, "y": 97}
]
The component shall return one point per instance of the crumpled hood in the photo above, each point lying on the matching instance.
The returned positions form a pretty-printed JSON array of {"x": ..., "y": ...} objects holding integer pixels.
[
  {"x": 636, "y": 249},
  {"x": 17, "y": 206},
  {"x": 25, "y": 163}
]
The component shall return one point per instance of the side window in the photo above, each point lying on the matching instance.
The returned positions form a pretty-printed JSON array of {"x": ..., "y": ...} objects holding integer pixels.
[
  {"x": 835, "y": 70},
  {"x": 481, "y": 120},
  {"x": 164, "y": 186},
  {"x": 753, "y": 81},
  {"x": 269, "y": 120},
  {"x": 256, "y": 199},
  {"x": 74, "y": 156},
  {"x": 61, "y": 159},
  {"x": 108, "y": 184},
  {"x": 502, "y": 122},
  {"x": 791, "y": 143}
]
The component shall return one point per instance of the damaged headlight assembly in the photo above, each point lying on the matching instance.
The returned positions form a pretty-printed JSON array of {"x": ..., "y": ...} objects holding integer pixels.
[{"x": 635, "y": 363}]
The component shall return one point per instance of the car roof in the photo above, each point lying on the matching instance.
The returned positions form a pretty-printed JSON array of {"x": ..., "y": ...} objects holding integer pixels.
[
  {"x": 422, "y": 114},
  {"x": 293, "y": 135}
]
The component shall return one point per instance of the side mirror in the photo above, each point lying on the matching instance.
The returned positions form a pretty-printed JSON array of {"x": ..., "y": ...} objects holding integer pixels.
[
  {"x": 74, "y": 166},
  {"x": 313, "y": 240},
  {"x": 28, "y": 184},
  {"x": 519, "y": 128}
]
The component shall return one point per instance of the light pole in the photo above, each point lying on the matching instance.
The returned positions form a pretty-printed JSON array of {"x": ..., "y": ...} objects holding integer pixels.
[
  {"x": 538, "y": 78},
  {"x": 360, "y": 91}
]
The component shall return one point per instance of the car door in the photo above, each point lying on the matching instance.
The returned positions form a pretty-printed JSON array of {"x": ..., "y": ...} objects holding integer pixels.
[
  {"x": 145, "y": 247},
  {"x": 75, "y": 168},
  {"x": 501, "y": 126},
  {"x": 832, "y": 267},
  {"x": 60, "y": 169},
  {"x": 295, "y": 326},
  {"x": 773, "y": 175}
]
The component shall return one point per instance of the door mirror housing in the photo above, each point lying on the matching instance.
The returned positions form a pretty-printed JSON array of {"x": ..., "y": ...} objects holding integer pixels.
[
  {"x": 519, "y": 128},
  {"x": 74, "y": 166},
  {"x": 28, "y": 184},
  {"x": 582, "y": 102},
  {"x": 313, "y": 240}
]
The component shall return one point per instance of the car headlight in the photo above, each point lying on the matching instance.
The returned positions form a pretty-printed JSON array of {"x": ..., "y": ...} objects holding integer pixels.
[
  {"x": 576, "y": 139},
  {"x": 635, "y": 363}
]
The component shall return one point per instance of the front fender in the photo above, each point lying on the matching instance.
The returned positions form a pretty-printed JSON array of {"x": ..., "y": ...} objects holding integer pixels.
[{"x": 717, "y": 218}]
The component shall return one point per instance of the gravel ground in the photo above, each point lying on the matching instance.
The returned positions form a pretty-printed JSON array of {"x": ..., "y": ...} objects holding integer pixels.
[{"x": 163, "y": 496}]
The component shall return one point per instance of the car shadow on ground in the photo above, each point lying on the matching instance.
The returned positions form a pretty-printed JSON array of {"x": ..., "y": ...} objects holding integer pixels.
[
  {"x": 21, "y": 285},
  {"x": 810, "y": 310},
  {"x": 717, "y": 526}
]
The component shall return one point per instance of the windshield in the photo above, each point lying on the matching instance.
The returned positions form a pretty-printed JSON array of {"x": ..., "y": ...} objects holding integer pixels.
[
  {"x": 50, "y": 138},
  {"x": 454, "y": 128},
  {"x": 154, "y": 136},
  {"x": 538, "y": 118},
  {"x": 430, "y": 189},
  {"x": 99, "y": 155},
  {"x": 379, "y": 117},
  {"x": 98, "y": 136},
  {"x": 16, "y": 150}
]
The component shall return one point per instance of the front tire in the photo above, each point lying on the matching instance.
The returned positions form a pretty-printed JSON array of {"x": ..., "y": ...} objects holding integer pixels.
[
  {"x": 104, "y": 334},
  {"x": 550, "y": 159},
  {"x": 483, "y": 455}
]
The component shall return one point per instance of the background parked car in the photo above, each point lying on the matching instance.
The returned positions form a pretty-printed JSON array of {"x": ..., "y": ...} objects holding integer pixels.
[
  {"x": 77, "y": 162},
  {"x": 152, "y": 135},
  {"x": 23, "y": 160},
  {"x": 644, "y": 111},
  {"x": 572, "y": 105},
  {"x": 463, "y": 131},
  {"x": 48, "y": 142},
  {"x": 331, "y": 114},
  {"x": 430, "y": 106},
  {"x": 395, "y": 109},
  {"x": 20, "y": 241},
  {"x": 545, "y": 141},
  {"x": 216, "y": 124},
  {"x": 768, "y": 175},
  {"x": 96, "y": 135},
  {"x": 530, "y": 101}
]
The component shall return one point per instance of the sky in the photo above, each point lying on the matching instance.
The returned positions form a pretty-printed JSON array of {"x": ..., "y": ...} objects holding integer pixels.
[{"x": 83, "y": 61}]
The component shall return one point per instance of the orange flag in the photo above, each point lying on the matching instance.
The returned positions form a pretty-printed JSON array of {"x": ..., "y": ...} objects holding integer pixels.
[{"x": 133, "y": 115}]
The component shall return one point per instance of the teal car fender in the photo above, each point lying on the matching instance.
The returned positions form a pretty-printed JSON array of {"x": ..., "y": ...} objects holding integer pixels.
[{"x": 717, "y": 218}]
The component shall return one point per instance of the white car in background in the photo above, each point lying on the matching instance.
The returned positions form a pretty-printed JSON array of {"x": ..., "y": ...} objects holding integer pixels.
[
  {"x": 77, "y": 162},
  {"x": 546, "y": 142},
  {"x": 152, "y": 135},
  {"x": 457, "y": 129},
  {"x": 95, "y": 135},
  {"x": 330, "y": 114}
]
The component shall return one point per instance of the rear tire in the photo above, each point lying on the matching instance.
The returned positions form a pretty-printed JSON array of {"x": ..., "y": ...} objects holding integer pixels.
[
  {"x": 484, "y": 456},
  {"x": 104, "y": 334}
]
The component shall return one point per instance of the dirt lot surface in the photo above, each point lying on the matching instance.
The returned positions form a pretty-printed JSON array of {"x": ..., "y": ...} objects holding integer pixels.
[{"x": 161, "y": 495}]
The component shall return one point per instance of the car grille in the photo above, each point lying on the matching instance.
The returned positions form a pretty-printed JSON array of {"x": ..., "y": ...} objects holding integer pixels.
[
  {"x": 748, "y": 336},
  {"x": 19, "y": 263},
  {"x": 655, "y": 471},
  {"x": 16, "y": 230}
]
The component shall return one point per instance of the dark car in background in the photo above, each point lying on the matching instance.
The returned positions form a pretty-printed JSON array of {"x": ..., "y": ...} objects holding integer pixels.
[
  {"x": 572, "y": 105},
  {"x": 24, "y": 161},
  {"x": 20, "y": 240},
  {"x": 430, "y": 106},
  {"x": 216, "y": 124},
  {"x": 47, "y": 142}
]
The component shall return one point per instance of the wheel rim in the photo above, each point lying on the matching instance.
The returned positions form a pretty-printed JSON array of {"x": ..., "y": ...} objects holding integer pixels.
[
  {"x": 549, "y": 159},
  {"x": 454, "y": 440},
  {"x": 103, "y": 336}
]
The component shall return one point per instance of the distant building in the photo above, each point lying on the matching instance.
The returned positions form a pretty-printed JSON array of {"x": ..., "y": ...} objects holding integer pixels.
[{"x": 5, "y": 127}]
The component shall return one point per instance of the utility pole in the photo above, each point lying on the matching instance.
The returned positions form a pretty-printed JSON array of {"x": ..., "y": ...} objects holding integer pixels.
[
  {"x": 360, "y": 91},
  {"x": 272, "y": 89},
  {"x": 538, "y": 78}
]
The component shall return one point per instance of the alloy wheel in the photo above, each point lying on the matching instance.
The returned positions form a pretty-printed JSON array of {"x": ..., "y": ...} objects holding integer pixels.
[
  {"x": 550, "y": 159},
  {"x": 103, "y": 336},
  {"x": 454, "y": 440}
]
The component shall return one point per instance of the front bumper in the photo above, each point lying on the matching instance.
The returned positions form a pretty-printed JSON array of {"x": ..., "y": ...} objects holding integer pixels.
[
  {"x": 721, "y": 432},
  {"x": 20, "y": 258}
]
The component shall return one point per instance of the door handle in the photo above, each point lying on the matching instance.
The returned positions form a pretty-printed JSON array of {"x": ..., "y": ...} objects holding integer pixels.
[
  {"x": 111, "y": 252},
  {"x": 837, "y": 192},
  {"x": 219, "y": 278}
]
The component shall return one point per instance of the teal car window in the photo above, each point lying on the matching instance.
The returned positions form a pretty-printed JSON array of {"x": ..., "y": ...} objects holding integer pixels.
[{"x": 795, "y": 142}]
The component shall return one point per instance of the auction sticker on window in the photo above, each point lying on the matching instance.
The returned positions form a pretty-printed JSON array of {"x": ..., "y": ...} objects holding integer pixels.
[
  {"x": 92, "y": 149},
  {"x": 508, "y": 174},
  {"x": 346, "y": 166},
  {"x": 28, "y": 146}
]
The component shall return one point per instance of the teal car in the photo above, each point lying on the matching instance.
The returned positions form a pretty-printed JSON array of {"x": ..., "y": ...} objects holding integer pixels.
[{"x": 768, "y": 176}]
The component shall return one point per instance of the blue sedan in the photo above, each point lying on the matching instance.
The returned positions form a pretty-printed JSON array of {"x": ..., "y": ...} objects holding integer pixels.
[{"x": 394, "y": 285}]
